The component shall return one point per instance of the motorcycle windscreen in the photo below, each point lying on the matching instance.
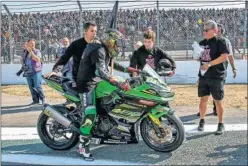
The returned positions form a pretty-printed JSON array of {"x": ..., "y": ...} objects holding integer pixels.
[{"x": 155, "y": 78}]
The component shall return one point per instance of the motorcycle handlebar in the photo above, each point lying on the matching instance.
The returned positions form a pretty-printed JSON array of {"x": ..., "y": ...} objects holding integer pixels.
[{"x": 135, "y": 80}]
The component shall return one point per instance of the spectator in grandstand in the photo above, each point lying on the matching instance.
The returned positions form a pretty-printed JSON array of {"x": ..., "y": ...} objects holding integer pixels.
[
  {"x": 54, "y": 46},
  {"x": 62, "y": 24}
]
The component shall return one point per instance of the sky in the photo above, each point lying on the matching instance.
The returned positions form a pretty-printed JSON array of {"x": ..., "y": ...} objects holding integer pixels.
[{"x": 18, "y": 6}]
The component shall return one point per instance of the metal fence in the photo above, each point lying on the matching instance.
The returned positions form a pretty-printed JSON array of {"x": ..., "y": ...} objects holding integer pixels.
[{"x": 176, "y": 29}]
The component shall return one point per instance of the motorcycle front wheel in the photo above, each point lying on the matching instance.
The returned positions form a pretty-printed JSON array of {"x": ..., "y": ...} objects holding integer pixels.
[{"x": 172, "y": 133}]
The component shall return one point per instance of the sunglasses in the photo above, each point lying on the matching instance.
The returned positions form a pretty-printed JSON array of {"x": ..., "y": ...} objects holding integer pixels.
[{"x": 206, "y": 30}]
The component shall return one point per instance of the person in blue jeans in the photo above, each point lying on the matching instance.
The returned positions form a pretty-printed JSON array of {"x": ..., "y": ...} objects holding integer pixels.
[{"x": 33, "y": 73}]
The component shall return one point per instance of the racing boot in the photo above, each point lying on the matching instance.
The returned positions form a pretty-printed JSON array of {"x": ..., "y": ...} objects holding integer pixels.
[{"x": 83, "y": 148}]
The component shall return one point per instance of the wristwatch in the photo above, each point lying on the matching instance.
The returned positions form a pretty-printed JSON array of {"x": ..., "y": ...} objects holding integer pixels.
[{"x": 209, "y": 64}]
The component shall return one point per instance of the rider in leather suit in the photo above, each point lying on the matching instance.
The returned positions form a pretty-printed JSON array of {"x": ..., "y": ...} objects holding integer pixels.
[{"x": 93, "y": 67}]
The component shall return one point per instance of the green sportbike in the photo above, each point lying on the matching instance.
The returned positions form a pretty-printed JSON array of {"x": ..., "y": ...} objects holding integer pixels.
[{"x": 121, "y": 115}]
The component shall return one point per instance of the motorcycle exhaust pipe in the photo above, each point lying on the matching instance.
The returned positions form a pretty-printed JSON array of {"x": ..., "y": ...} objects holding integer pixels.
[{"x": 57, "y": 116}]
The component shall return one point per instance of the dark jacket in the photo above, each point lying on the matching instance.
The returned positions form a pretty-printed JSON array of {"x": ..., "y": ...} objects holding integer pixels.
[
  {"x": 75, "y": 50},
  {"x": 141, "y": 57},
  {"x": 94, "y": 67}
]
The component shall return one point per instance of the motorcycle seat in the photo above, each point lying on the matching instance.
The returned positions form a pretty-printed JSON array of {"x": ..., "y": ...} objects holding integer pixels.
[
  {"x": 58, "y": 79},
  {"x": 67, "y": 86}
]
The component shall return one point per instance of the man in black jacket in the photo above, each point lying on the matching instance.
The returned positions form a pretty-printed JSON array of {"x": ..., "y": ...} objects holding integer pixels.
[
  {"x": 93, "y": 67},
  {"x": 149, "y": 54},
  {"x": 76, "y": 49}
]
